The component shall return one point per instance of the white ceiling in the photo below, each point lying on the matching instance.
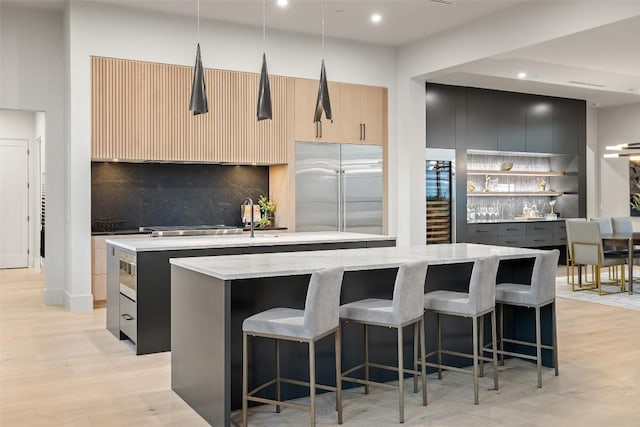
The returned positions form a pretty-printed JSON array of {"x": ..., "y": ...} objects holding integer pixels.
[{"x": 606, "y": 56}]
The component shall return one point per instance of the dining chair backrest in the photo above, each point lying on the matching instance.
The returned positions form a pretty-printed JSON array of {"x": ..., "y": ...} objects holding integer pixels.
[
  {"x": 586, "y": 243},
  {"x": 408, "y": 291},
  {"x": 321, "y": 308},
  {"x": 568, "y": 222},
  {"x": 543, "y": 278},
  {"x": 622, "y": 225},
  {"x": 606, "y": 225},
  {"x": 482, "y": 286}
]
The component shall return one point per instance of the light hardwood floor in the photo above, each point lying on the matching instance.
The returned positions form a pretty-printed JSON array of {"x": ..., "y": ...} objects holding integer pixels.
[{"x": 64, "y": 369}]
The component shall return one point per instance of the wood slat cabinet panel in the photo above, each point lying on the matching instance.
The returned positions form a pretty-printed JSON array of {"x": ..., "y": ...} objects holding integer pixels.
[{"x": 140, "y": 112}]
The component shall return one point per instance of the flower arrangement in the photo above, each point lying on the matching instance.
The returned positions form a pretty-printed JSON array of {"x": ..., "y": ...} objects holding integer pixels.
[{"x": 267, "y": 209}]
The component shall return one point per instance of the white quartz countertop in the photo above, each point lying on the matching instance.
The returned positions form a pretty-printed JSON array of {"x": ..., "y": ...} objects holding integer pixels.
[
  {"x": 233, "y": 267},
  {"x": 147, "y": 243}
]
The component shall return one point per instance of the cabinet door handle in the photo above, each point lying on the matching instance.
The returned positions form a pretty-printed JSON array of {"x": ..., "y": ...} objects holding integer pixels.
[
  {"x": 364, "y": 131},
  {"x": 320, "y": 129},
  {"x": 482, "y": 231},
  {"x": 512, "y": 229},
  {"x": 127, "y": 317},
  {"x": 316, "y": 124}
]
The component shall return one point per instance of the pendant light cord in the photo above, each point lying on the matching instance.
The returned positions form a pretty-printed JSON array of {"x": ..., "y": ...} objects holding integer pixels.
[
  {"x": 264, "y": 25},
  {"x": 322, "y": 29},
  {"x": 198, "y": 8}
]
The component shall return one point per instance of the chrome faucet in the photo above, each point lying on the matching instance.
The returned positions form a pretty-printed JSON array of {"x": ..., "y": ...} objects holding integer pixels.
[{"x": 249, "y": 202}]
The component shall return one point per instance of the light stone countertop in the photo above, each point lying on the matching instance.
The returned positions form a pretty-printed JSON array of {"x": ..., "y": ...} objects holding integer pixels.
[
  {"x": 233, "y": 267},
  {"x": 144, "y": 244}
]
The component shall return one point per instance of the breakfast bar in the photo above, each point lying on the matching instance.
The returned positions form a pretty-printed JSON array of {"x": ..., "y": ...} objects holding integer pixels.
[{"x": 211, "y": 296}]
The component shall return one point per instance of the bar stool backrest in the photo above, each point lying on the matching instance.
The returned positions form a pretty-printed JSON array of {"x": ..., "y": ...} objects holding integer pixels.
[
  {"x": 482, "y": 286},
  {"x": 543, "y": 278},
  {"x": 586, "y": 232},
  {"x": 622, "y": 225},
  {"x": 321, "y": 309},
  {"x": 408, "y": 291},
  {"x": 606, "y": 226}
]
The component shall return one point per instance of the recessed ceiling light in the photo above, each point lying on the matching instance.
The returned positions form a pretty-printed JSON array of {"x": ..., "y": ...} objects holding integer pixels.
[
  {"x": 376, "y": 17},
  {"x": 522, "y": 75},
  {"x": 283, "y": 3}
]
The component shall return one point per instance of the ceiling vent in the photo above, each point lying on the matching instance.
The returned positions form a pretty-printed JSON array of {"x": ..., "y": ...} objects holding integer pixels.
[
  {"x": 447, "y": 2},
  {"x": 585, "y": 83}
]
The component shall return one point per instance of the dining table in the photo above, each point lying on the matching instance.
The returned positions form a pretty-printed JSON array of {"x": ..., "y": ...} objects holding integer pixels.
[{"x": 621, "y": 239}]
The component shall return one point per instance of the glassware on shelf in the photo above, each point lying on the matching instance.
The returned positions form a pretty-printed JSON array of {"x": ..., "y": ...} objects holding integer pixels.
[
  {"x": 483, "y": 213},
  {"x": 525, "y": 210}
]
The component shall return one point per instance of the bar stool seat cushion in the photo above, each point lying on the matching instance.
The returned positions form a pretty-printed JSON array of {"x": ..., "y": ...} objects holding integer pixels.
[
  {"x": 371, "y": 310},
  {"x": 288, "y": 322},
  {"x": 514, "y": 293},
  {"x": 449, "y": 302}
]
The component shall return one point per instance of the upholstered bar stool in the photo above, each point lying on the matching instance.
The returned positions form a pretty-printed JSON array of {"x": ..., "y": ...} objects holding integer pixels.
[
  {"x": 540, "y": 293},
  {"x": 403, "y": 310},
  {"x": 480, "y": 300},
  {"x": 318, "y": 319}
]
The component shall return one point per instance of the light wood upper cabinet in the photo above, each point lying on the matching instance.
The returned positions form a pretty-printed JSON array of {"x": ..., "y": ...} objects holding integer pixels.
[
  {"x": 140, "y": 111},
  {"x": 306, "y": 94},
  {"x": 365, "y": 114}
]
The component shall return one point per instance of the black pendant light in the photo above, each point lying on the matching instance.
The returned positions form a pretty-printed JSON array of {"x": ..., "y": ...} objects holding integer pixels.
[
  {"x": 323, "y": 103},
  {"x": 264, "y": 90},
  {"x": 198, "y": 103}
]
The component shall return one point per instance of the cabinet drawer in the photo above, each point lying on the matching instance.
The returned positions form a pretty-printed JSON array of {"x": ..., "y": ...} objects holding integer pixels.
[
  {"x": 128, "y": 321},
  {"x": 512, "y": 229},
  {"x": 560, "y": 228},
  {"x": 537, "y": 240},
  {"x": 540, "y": 228},
  {"x": 513, "y": 240},
  {"x": 559, "y": 240},
  {"x": 483, "y": 239},
  {"x": 482, "y": 230}
]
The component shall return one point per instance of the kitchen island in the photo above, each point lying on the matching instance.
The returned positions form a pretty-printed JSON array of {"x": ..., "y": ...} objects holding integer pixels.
[
  {"x": 139, "y": 274},
  {"x": 211, "y": 296}
]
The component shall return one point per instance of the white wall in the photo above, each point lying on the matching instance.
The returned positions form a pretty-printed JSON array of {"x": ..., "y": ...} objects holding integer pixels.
[
  {"x": 32, "y": 78},
  {"x": 616, "y": 125},
  {"x": 104, "y": 30}
]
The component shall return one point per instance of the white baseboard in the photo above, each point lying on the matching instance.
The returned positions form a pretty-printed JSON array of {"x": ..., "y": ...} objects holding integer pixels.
[{"x": 78, "y": 303}]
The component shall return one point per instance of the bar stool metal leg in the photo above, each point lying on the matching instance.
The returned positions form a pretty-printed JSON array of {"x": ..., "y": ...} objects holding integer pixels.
[
  {"x": 312, "y": 381},
  {"x": 475, "y": 360},
  {"x": 481, "y": 339},
  {"x": 278, "y": 374},
  {"x": 401, "y": 373},
  {"x": 338, "y": 350},
  {"x": 439, "y": 322},
  {"x": 494, "y": 348},
  {"x": 555, "y": 336},
  {"x": 415, "y": 357},
  {"x": 538, "y": 347},
  {"x": 423, "y": 366},
  {"x": 366, "y": 357},
  {"x": 501, "y": 334},
  {"x": 245, "y": 380}
]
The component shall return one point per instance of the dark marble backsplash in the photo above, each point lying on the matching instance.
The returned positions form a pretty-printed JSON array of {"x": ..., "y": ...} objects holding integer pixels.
[{"x": 147, "y": 194}]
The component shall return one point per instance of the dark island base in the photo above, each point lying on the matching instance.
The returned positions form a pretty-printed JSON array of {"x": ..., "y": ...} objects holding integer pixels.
[{"x": 202, "y": 383}]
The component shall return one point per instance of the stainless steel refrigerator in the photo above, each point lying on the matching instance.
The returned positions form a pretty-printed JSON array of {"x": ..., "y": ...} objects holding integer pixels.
[{"x": 339, "y": 187}]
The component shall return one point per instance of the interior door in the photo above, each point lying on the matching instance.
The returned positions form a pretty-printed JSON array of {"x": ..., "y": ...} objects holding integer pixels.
[
  {"x": 14, "y": 224},
  {"x": 362, "y": 188},
  {"x": 317, "y": 186}
]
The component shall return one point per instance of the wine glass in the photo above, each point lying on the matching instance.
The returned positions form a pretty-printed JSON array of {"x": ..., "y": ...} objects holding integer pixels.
[{"x": 483, "y": 212}]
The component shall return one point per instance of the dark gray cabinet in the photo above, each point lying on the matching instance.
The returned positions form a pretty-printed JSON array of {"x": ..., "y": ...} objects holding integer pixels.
[
  {"x": 533, "y": 234},
  {"x": 482, "y": 120},
  {"x": 565, "y": 126},
  {"x": 512, "y": 121},
  {"x": 446, "y": 108},
  {"x": 539, "y": 125}
]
